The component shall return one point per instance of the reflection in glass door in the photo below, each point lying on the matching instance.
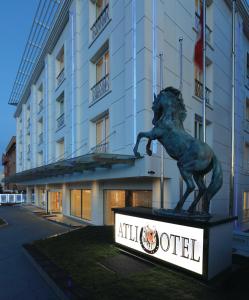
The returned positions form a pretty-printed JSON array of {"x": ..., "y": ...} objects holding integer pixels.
[
  {"x": 55, "y": 202},
  {"x": 113, "y": 199},
  {"x": 124, "y": 198}
]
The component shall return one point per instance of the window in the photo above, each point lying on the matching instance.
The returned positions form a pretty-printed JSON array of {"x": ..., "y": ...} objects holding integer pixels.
[
  {"x": 199, "y": 85},
  {"x": 40, "y": 131},
  {"x": 60, "y": 76},
  {"x": 40, "y": 98},
  {"x": 29, "y": 152},
  {"x": 101, "y": 18},
  {"x": 101, "y": 67},
  {"x": 60, "y": 111},
  {"x": 76, "y": 203},
  {"x": 247, "y": 109},
  {"x": 60, "y": 149},
  {"x": 81, "y": 204},
  {"x": 247, "y": 69},
  {"x": 102, "y": 134},
  {"x": 86, "y": 204},
  {"x": 100, "y": 5},
  {"x": 246, "y": 206},
  {"x": 124, "y": 198},
  {"x": 40, "y": 158},
  {"x": 142, "y": 198},
  {"x": 246, "y": 156},
  {"x": 198, "y": 128}
]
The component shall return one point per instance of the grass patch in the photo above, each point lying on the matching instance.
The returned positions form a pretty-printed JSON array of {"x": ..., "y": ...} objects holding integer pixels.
[{"x": 80, "y": 251}]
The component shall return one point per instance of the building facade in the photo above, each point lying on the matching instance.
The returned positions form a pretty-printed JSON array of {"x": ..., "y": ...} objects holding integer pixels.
[
  {"x": 92, "y": 92},
  {"x": 9, "y": 165}
]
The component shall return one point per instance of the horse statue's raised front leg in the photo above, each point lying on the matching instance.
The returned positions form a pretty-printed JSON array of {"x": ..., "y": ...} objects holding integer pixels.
[{"x": 150, "y": 135}]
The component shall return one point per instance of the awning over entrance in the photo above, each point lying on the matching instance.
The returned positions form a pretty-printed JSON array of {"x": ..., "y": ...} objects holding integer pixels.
[{"x": 74, "y": 165}]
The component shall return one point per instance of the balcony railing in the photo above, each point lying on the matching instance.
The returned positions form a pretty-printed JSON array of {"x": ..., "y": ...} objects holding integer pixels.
[
  {"x": 40, "y": 138},
  {"x": 40, "y": 106},
  {"x": 199, "y": 91},
  {"x": 60, "y": 121},
  {"x": 208, "y": 30},
  {"x": 60, "y": 77},
  {"x": 101, "y": 148},
  {"x": 100, "y": 22},
  {"x": 100, "y": 88}
]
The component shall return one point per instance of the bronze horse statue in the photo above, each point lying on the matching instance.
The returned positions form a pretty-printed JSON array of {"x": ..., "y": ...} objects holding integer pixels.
[{"x": 194, "y": 157}]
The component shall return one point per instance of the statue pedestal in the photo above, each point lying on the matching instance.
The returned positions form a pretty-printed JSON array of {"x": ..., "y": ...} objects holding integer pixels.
[{"x": 202, "y": 247}]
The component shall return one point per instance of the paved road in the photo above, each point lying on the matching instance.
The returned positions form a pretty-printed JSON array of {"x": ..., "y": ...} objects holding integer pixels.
[{"x": 18, "y": 278}]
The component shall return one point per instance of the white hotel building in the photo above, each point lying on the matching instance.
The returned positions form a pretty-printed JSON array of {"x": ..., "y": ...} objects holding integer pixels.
[{"x": 91, "y": 92}]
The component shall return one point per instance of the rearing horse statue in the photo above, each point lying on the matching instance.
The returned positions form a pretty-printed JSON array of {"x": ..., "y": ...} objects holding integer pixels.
[{"x": 194, "y": 157}]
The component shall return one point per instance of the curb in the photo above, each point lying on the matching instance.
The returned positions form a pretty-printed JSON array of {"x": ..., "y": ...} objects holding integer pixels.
[{"x": 46, "y": 277}]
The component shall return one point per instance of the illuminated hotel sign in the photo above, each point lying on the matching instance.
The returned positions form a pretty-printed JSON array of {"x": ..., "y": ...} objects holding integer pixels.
[{"x": 176, "y": 244}]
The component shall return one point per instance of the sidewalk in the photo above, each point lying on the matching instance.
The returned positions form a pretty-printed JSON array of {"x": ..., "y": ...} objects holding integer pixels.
[
  {"x": 18, "y": 278},
  {"x": 55, "y": 217}
]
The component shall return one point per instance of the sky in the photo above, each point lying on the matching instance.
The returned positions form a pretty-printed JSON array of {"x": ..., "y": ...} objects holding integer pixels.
[{"x": 15, "y": 23}]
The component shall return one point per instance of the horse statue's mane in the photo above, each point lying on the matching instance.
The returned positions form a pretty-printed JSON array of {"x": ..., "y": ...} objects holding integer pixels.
[{"x": 180, "y": 112}]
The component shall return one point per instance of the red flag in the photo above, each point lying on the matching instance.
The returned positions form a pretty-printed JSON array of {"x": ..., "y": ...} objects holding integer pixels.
[{"x": 198, "y": 55}]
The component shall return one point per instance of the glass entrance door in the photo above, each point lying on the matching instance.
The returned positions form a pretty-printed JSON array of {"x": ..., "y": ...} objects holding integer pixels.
[
  {"x": 113, "y": 199},
  {"x": 124, "y": 198},
  {"x": 55, "y": 202}
]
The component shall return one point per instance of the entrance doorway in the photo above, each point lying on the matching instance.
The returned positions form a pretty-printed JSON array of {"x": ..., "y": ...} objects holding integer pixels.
[
  {"x": 124, "y": 198},
  {"x": 55, "y": 202}
]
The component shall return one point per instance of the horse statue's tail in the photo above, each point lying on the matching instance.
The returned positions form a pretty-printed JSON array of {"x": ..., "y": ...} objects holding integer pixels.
[{"x": 216, "y": 181}]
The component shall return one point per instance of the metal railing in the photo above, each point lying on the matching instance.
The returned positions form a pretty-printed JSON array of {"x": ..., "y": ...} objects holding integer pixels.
[
  {"x": 60, "y": 121},
  {"x": 12, "y": 198},
  {"x": 100, "y": 22},
  {"x": 40, "y": 138},
  {"x": 208, "y": 29},
  {"x": 60, "y": 77},
  {"x": 100, "y": 88},
  {"x": 40, "y": 106},
  {"x": 199, "y": 91},
  {"x": 101, "y": 148}
]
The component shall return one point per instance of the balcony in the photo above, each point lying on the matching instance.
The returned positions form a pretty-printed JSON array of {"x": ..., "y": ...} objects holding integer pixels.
[
  {"x": 100, "y": 88},
  {"x": 101, "y": 148},
  {"x": 60, "y": 78},
  {"x": 60, "y": 121},
  {"x": 40, "y": 138},
  {"x": 199, "y": 91},
  {"x": 40, "y": 106},
  {"x": 100, "y": 22}
]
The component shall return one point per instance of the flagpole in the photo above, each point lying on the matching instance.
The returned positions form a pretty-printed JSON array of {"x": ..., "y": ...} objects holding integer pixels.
[
  {"x": 162, "y": 150},
  {"x": 204, "y": 72},
  {"x": 231, "y": 198},
  {"x": 180, "y": 88}
]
